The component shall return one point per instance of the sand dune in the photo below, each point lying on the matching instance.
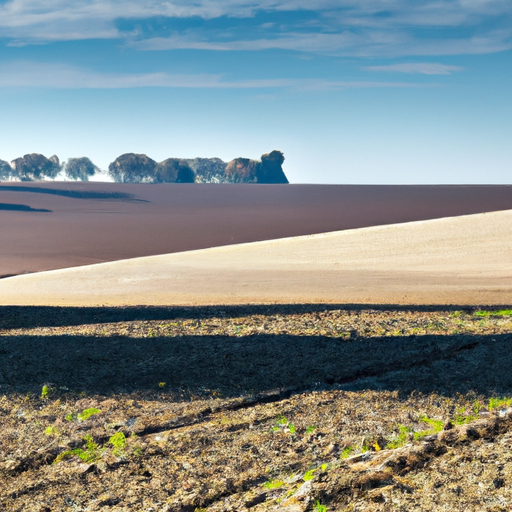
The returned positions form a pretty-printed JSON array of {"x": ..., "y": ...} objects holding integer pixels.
[{"x": 457, "y": 260}]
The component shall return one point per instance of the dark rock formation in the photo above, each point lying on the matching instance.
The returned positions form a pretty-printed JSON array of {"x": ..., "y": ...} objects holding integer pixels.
[
  {"x": 35, "y": 167},
  {"x": 80, "y": 169},
  {"x": 139, "y": 168},
  {"x": 242, "y": 170},
  {"x": 5, "y": 171},
  {"x": 208, "y": 170},
  {"x": 270, "y": 169},
  {"x": 174, "y": 170},
  {"x": 132, "y": 168}
]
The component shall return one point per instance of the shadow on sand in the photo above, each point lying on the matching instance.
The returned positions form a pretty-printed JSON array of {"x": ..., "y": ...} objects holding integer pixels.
[
  {"x": 75, "y": 194},
  {"x": 21, "y": 208},
  {"x": 235, "y": 365}
]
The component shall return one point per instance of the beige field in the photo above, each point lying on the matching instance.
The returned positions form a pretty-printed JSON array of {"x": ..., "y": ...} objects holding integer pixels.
[{"x": 456, "y": 260}]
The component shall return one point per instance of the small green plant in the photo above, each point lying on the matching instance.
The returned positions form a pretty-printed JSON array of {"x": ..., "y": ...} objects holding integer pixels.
[
  {"x": 44, "y": 393},
  {"x": 461, "y": 418},
  {"x": 51, "y": 431},
  {"x": 436, "y": 424},
  {"x": 309, "y": 475},
  {"x": 90, "y": 453},
  {"x": 346, "y": 452},
  {"x": 319, "y": 507},
  {"x": 87, "y": 413},
  {"x": 283, "y": 424},
  {"x": 310, "y": 429},
  {"x": 399, "y": 440},
  {"x": 118, "y": 441},
  {"x": 70, "y": 417},
  {"x": 499, "y": 403},
  {"x": 273, "y": 484},
  {"x": 501, "y": 312}
]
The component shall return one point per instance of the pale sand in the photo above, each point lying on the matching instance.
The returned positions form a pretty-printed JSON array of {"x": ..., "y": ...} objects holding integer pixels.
[{"x": 463, "y": 260}]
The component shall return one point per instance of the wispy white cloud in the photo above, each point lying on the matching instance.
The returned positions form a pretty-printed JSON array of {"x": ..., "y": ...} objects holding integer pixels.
[
  {"x": 365, "y": 43},
  {"x": 422, "y": 68},
  {"x": 62, "y": 76},
  {"x": 338, "y": 27}
]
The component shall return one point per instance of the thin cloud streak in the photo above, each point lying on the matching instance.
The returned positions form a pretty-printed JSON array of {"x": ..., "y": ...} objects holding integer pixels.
[
  {"x": 60, "y": 76},
  {"x": 422, "y": 68},
  {"x": 365, "y": 44}
]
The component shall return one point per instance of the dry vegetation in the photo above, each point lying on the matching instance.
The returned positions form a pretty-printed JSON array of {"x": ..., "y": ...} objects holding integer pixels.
[{"x": 293, "y": 408}]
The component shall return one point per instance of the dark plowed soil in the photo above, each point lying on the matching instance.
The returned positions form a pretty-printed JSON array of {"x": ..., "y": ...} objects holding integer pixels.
[{"x": 296, "y": 408}]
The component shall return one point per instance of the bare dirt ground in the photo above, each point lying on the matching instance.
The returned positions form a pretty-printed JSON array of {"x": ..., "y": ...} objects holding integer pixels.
[{"x": 233, "y": 408}]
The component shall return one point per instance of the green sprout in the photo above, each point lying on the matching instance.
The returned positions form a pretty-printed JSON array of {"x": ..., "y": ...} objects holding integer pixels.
[
  {"x": 44, "y": 393},
  {"x": 499, "y": 403},
  {"x": 87, "y": 413},
  {"x": 400, "y": 439},
  {"x": 273, "y": 484},
  {"x": 118, "y": 441},
  {"x": 90, "y": 453},
  {"x": 319, "y": 507}
]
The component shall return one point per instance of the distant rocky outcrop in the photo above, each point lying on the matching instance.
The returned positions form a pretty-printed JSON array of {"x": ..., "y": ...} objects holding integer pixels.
[
  {"x": 132, "y": 168},
  {"x": 80, "y": 169},
  {"x": 270, "y": 169},
  {"x": 174, "y": 170},
  {"x": 34, "y": 167},
  {"x": 5, "y": 171},
  {"x": 140, "y": 168},
  {"x": 208, "y": 170}
]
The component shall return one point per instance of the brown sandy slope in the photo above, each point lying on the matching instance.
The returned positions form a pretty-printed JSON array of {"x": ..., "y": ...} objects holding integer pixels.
[
  {"x": 46, "y": 226},
  {"x": 458, "y": 260}
]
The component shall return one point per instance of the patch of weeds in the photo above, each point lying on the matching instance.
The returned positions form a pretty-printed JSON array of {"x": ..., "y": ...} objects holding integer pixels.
[
  {"x": 499, "y": 403},
  {"x": 455, "y": 314},
  {"x": 137, "y": 451},
  {"x": 51, "y": 431},
  {"x": 273, "y": 484},
  {"x": 70, "y": 417},
  {"x": 309, "y": 475},
  {"x": 461, "y": 418},
  {"x": 44, "y": 393},
  {"x": 436, "y": 424},
  {"x": 284, "y": 425},
  {"x": 87, "y": 413},
  {"x": 118, "y": 441},
  {"x": 400, "y": 439},
  {"x": 501, "y": 312},
  {"x": 90, "y": 453},
  {"x": 477, "y": 407},
  {"x": 318, "y": 507},
  {"x": 347, "y": 452},
  {"x": 437, "y": 325}
]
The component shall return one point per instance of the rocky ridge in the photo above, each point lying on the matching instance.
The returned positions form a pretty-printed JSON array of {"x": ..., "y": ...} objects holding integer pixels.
[{"x": 139, "y": 168}]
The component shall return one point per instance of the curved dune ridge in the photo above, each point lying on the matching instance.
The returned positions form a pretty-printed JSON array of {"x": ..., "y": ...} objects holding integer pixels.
[{"x": 456, "y": 260}]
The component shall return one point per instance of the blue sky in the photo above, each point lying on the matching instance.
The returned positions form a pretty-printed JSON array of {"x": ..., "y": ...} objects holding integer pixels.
[{"x": 352, "y": 91}]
